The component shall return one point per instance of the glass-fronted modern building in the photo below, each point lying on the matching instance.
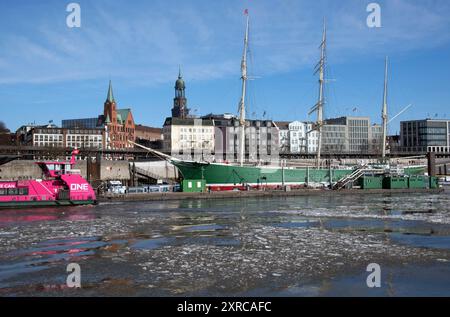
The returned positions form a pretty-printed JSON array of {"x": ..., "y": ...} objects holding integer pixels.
[
  {"x": 428, "y": 135},
  {"x": 87, "y": 123}
]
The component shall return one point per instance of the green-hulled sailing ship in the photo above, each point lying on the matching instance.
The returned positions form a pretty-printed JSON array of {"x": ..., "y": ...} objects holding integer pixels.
[{"x": 222, "y": 176}]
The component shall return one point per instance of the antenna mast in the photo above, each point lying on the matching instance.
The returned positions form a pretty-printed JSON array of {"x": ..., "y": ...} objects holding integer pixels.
[
  {"x": 384, "y": 114},
  {"x": 244, "y": 86}
]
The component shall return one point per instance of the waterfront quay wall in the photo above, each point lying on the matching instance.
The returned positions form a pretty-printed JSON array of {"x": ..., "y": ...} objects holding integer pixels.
[
  {"x": 259, "y": 194},
  {"x": 115, "y": 170},
  {"x": 26, "y": 169},
  {"x": 19, "y": 170},
  {"x": 122, "y": 170}
]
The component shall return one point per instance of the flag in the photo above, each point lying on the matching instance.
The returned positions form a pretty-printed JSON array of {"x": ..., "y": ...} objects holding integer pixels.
[{"x": 246, "y": 12}]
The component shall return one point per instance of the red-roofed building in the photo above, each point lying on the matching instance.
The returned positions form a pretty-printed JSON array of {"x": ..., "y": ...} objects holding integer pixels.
[{"x": 119, "y": 122}]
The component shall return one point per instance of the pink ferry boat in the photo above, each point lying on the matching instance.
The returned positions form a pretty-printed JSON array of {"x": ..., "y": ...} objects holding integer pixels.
[{"x": 60, "y": 186}]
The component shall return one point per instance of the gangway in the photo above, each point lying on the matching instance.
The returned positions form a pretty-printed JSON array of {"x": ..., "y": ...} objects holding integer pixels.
[{"x": 355, "y": 175}]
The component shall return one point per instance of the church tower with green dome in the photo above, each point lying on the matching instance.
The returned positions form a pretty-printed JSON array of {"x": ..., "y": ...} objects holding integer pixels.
[{"x": 180, "y": 109}]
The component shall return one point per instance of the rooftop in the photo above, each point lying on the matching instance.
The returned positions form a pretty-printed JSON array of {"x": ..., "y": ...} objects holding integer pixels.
[
  {"x": 188, "y": 121},
  {"x": 140, "y": 127},
  {"x": 282, "y": 124},
  {"x": 428, "y": 119}
]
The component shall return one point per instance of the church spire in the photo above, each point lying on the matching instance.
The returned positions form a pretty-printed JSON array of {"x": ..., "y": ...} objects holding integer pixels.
[
  {"x": 110, "y": 97},
  {"x": 179, "y": 109}
]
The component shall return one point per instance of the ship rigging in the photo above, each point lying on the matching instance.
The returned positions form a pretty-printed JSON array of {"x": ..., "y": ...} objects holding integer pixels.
[{"x": 320, "y": 68}]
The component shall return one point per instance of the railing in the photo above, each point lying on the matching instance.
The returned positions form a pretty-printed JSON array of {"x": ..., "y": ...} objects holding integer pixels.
[
  {"x": 350, "y": 178},
  {"x": 356, "y": 174}
]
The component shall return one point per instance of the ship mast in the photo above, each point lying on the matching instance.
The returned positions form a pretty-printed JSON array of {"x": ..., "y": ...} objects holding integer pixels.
[
  {"x": 320, "y": 103},
  {"x": 384, "y": 114},
  {"x": 244, "y": 87}
]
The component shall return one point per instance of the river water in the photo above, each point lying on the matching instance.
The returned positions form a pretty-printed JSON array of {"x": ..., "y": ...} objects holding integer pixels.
[{"x": 295, "y": 246}]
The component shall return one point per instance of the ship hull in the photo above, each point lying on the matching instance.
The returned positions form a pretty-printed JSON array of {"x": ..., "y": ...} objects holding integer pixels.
[
  {"x": 222, "y": 177},
  {"x": 39, "y": 204},
  {"x": 229, "y": 177}
]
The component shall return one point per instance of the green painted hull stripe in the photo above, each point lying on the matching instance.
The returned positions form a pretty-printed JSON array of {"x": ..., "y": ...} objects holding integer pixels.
[{"x": 235, "y": 175}]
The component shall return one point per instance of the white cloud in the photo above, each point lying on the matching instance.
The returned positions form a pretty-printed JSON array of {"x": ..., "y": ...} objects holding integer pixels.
[{"x": 145, "y": 43}]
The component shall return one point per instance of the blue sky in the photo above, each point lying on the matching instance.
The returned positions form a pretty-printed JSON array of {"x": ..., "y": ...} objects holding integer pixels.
[{"x": 51, "y": 72}]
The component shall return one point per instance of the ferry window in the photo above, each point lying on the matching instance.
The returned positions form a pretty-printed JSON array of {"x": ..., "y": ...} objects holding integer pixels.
[
  {"x": 13, "y": 191},
  {"x": 23, "y": 191}
]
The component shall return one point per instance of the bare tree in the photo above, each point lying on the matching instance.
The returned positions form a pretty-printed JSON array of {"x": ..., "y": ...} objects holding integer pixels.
[
  {"x": 5, "y": 137},
  {"x": 3, "y": 128}
]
